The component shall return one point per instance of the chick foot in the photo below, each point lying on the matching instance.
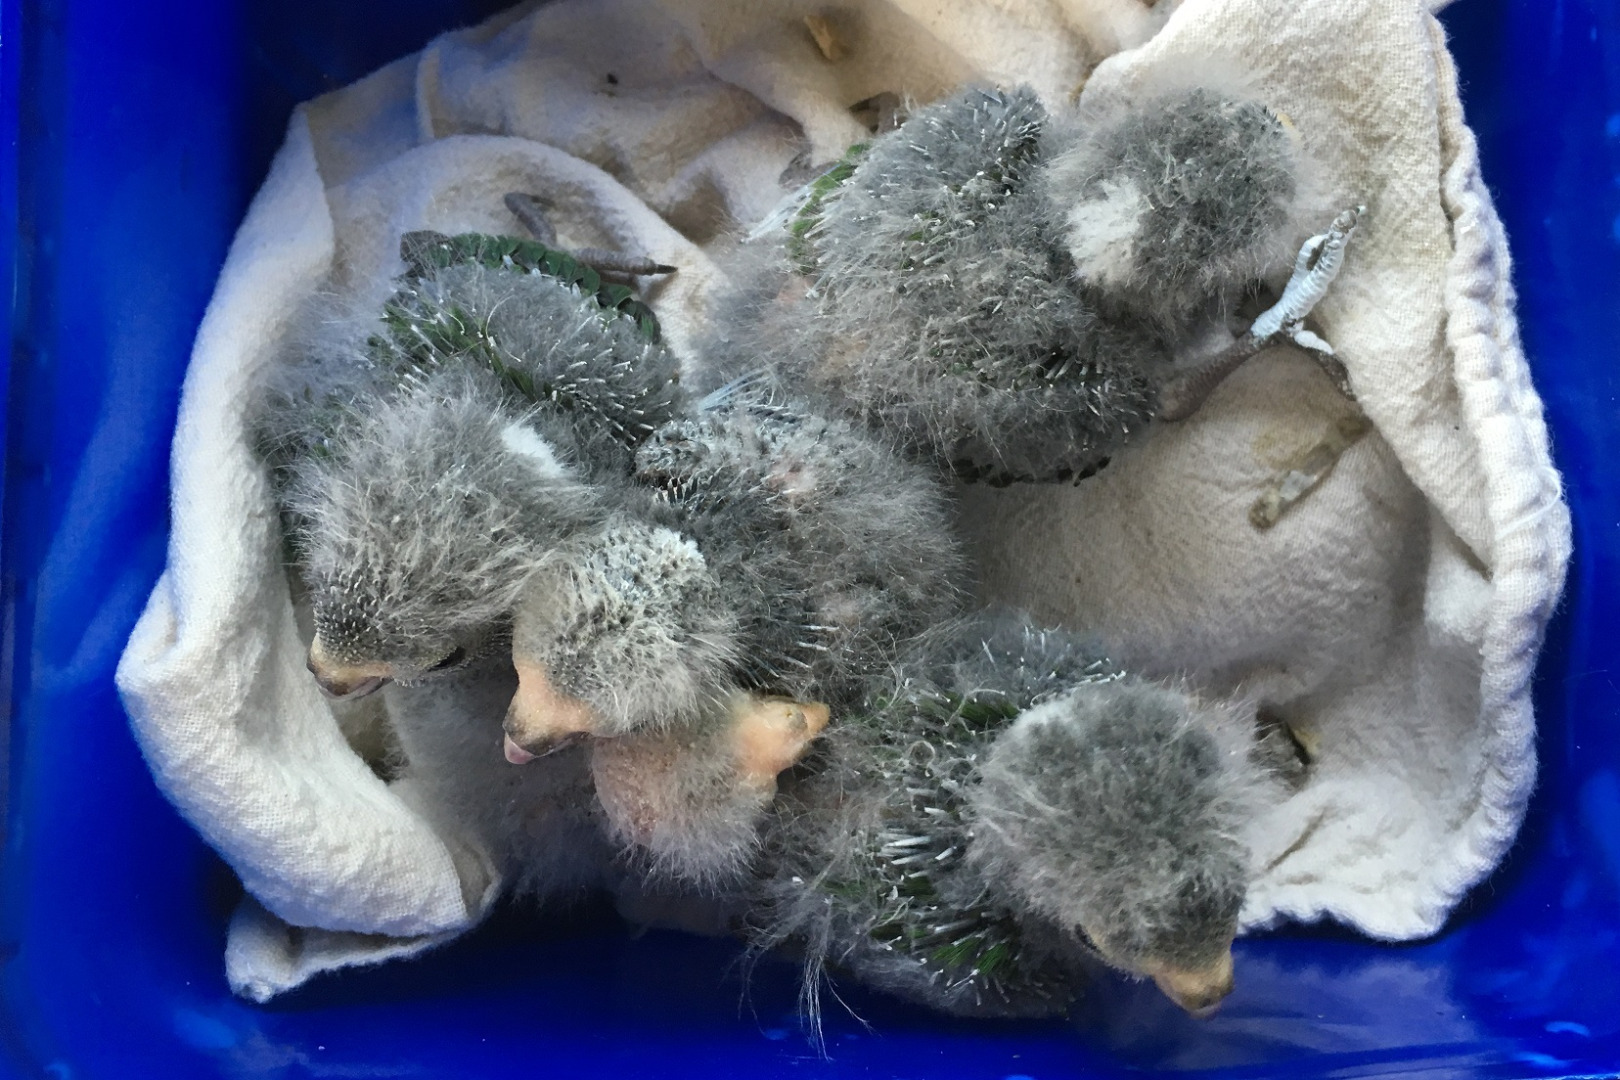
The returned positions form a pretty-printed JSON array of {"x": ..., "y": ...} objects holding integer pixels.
[
  {"x": 1316, "y": 267},
  {"x": 617, "y": 266}
]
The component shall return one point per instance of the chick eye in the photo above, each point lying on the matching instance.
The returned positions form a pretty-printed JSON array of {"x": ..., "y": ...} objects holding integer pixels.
[{"x": 450, "y": 661}]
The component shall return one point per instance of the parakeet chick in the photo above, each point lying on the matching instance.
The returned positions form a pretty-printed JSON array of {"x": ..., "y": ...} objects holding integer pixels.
[
  {"x": 426, "y": 460},
  {"x": 787, "y": 559},
  {"x": 1011, "y": 805},
  {"x": 627, "y": 622},
  {"x": 1117, "y": 812},
  {"x": 1012, "y": 294},
  {"x": 626, "y": 636},
  {"x": 865, "y": 867},
  {"x": 418, "y": 526}
]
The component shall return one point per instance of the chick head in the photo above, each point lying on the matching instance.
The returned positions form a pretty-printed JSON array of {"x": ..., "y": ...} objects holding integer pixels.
[
  {"x": 1172, "y": 206},
  {"x": 624, "y": 629},
  {"x": 1114, "y": 813},
  {"x": 417, "y": 524}
]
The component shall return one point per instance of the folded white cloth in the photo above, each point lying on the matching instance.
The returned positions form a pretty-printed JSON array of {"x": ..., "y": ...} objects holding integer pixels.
[{"x": 1392, "y": 616}]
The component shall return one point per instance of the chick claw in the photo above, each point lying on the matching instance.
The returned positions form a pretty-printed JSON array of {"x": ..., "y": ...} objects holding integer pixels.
[{"x": 1315, "y": 269}]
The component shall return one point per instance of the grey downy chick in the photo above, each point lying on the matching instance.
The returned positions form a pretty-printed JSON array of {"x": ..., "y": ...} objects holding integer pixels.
[
  {"x": 979, "y": 282},
  {"x": 426, "y": 459},
  {"x": 1011, "y": 806},
  {"x": 427, "y": 462},
  {"x": 419, "y": 523},
  {"x": 626, "y": 636},
  {"x": 783, "y": 561},
  {"x": 1174, "y": 209},
  {"x": 1117, "y": 812},
  {"x": 865, "y": 866},
  {"x": 916, "y": 290}
]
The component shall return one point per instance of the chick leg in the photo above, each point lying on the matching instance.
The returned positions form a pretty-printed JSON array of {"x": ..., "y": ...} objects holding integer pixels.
[
  {"x": 1315, "y": 269},
  {"x": 619, "y": 266}
]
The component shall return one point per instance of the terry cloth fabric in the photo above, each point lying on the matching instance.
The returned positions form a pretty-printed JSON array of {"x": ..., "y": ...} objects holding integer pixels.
[{"x": 1392, "y": 616}]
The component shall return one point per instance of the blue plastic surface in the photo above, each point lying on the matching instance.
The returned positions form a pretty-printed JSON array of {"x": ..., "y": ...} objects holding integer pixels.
[{"x": 144, "y": 127}]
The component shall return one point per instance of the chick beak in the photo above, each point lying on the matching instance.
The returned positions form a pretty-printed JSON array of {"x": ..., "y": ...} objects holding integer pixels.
[
  {"x": 1198, "y": 990},
  {"x": 771, "y": 734},
  {"x": 516, "y": 754},
  {"x": 541, "y": 719},
  {"x": 345, "y": 681}
]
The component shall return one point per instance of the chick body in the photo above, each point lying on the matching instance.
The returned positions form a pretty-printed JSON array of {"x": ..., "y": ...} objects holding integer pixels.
[
  {"x": 866, "y": 868},
  {"x": 425, "y": 460},
  {"x": 1007, "y": 292},
  {"x": 782, "y": 561},
  {"x": 1012, "y": 808}
]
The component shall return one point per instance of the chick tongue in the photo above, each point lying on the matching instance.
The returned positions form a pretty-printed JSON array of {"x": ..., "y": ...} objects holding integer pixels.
[{"x": 516, "y": 754}]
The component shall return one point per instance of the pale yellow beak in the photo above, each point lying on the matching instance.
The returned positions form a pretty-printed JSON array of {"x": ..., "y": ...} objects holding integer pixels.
[
  {"x": 771, "y": 734},
  {"x": 1198, "y": 990},
  {"x": 345, "y": 680},
  {"x": 541, "y": 718}
]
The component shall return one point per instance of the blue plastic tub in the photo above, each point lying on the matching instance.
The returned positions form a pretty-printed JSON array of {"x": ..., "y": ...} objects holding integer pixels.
[{"x": 135, "y": 133}]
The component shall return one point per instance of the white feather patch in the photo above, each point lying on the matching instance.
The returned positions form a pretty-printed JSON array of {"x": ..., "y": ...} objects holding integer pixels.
[
  {"x": 525, "y": 442},
  {"x": 1102, "y": 232}
]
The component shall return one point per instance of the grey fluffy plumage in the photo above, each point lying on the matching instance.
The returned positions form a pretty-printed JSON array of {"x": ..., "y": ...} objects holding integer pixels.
[
  {"x": 427, "y": 458},
  {"x": 948, "y": 287},
  {"x": 631, "y": 620},
  {"x": 502, "y": 460},
  {"x": 936, "y": 252},
  {"x": 1011, "y": 805},
  {"x": 1118, "y": 812},
  {"x": 553, "y": 348},
  {"x": 781, "y": 555},
  {"x": 866, "y": 866},
  {"x": 549, "y": 347},
  {"x": 833, "y": 550},
  {"x": 1173, "y": 207},
  {"x": 776, "y": 551},
  {"x": 419, "y": 521}
]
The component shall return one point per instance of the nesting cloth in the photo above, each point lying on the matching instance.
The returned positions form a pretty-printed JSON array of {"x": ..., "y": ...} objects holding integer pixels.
[{"x": 1378, "y": 576}]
